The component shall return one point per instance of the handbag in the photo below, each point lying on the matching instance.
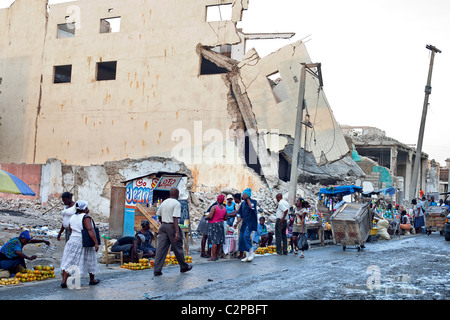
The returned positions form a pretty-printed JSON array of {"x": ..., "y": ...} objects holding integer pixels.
[
  {"x": 303, "y": 242},
  {"x": 87, "y": 240}
]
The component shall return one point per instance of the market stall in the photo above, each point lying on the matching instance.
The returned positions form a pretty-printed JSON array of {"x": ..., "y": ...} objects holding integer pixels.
[
  {"x": 317, "y": 224},
  {"x": 320, "y": 219},
  {"x": 143, "y": 197}
]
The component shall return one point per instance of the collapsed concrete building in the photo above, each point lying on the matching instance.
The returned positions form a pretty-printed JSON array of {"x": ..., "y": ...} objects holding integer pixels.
[
  {"x": 90, "y": 83},
  {"x": 388, "y": 162}
]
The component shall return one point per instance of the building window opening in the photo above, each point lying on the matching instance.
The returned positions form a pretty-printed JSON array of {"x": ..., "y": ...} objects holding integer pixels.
[
  {"x": 208, "y": 67},
  {"x": 278, "y": 88},
  {"x": 110, "y": 25},
  {"x": 62, "y": 74},
  {"x": 66, "y": 30},
  {"x": 106, "y": 70},
  {"x": 219, "y": 12}
]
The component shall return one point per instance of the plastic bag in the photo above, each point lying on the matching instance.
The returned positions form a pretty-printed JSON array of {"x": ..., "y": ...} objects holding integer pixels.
[
  {"x": 230, "y": 245},
  {"x": 382, "y": 232},
  {"x": 303, "y": 242}
]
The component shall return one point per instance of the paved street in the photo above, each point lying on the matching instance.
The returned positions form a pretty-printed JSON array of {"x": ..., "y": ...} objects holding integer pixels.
[{"x": 412, "y": 268}]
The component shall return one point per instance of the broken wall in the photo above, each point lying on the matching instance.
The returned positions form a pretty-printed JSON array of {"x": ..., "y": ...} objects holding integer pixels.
[
  {"x": 275, "y": 110},
  {"x": 93, "y": 183}
]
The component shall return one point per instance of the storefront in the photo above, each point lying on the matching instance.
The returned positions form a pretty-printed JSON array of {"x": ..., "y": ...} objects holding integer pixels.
[{"x": 150, "y": 191}]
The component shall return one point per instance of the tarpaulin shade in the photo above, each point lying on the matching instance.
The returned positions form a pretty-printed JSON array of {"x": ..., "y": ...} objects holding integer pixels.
[{"x": 344, "y": 190}]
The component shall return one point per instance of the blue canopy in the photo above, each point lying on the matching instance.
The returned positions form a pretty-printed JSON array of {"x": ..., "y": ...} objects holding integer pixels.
[
  {"x": 386, "y": 191},
  {"x": 344, "y": 190}
]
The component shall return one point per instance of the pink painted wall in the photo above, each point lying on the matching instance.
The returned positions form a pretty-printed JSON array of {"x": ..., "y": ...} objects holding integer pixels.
[{"x": 28, "y": 173}]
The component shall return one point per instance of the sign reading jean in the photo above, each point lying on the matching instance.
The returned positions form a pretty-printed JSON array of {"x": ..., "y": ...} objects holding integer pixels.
[{"x": 137, "y": 191}]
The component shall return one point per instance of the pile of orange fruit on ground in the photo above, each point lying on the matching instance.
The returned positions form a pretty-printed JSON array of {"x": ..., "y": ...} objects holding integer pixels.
[
  {"x": 38, "y": 274},
  {"x": 147, "y": 264},
  {"x": 264, "y": 250},
  {"x": 171, "y": 259},
  {"x": 9, "y": 281},
  {"x": 141, "y": 265}
]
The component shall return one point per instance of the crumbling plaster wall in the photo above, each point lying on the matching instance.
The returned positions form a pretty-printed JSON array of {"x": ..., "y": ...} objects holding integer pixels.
[
  {"x": 93, "y": 183},
  {"x": 329, "y": 144}
]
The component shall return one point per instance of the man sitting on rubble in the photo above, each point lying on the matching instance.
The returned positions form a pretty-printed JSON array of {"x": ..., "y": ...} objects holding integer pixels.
[{"x": 12, "y": 257}]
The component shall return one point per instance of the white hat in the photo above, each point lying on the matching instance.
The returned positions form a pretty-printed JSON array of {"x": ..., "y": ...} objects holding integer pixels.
[
  {"x": 81, "y": 205},
  {"x": 230, "y": 196}
]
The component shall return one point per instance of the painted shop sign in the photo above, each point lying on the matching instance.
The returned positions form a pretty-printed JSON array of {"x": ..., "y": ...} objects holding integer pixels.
[
  {"x": 166, "y": 183},
  {"x": 137, "y": 191},
  {"x": 140, "y": 191}
]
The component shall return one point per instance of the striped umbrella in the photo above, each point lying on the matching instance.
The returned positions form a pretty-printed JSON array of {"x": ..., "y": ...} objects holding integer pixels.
[{"x": 9, "y": 183}]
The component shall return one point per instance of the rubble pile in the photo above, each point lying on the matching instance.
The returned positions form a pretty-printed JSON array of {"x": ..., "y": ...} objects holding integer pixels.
[
  {"x": 267, "y": 203},
  {"x": 43, "y": 220}
]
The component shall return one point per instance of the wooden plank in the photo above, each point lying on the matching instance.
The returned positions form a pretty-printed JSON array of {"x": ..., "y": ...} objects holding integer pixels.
[
  {"x": 147, "y": 213},
  {"x": 116, "y": 211}
]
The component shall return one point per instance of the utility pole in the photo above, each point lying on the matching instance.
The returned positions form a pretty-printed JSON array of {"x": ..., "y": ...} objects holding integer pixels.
[
  {"x": 298, "y": 128},
  {"x": 417, "y": 160}
]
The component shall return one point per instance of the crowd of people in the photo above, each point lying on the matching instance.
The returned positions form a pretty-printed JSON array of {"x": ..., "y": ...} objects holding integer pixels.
[{"x": 237, "y": 212}]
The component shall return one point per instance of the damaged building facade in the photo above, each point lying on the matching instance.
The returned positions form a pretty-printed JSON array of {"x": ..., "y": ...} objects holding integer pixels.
[
  {"x": 388, "y": 162},
  {"x": 90, "y": 83}
]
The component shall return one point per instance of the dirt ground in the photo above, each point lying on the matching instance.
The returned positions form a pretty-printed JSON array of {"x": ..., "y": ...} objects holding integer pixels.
[{"x": 43, "y": 222}]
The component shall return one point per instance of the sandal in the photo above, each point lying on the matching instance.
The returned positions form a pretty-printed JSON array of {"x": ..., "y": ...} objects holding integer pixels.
[
  {"x": 212, "y": 259},
  {"x": 302, "y": 255}
]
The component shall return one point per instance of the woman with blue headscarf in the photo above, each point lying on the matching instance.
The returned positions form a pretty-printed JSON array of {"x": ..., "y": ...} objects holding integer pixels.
[{"x": 247, "y": 211}]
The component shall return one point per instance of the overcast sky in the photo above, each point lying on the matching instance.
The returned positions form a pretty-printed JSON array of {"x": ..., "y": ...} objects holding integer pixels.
[{"x": 374, "y": 60}]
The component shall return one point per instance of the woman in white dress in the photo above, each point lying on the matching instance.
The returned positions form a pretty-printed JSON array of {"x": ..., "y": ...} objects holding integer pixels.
[
  {"x": 76, "y": 256},
  {"x": 68, "y": 211}
]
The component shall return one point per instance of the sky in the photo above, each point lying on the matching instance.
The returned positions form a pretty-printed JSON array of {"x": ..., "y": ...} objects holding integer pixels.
[{"x": 374, "y": 60}]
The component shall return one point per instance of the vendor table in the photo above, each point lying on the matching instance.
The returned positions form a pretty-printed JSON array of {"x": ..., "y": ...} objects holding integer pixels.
[{"x": 320, "y": 233}]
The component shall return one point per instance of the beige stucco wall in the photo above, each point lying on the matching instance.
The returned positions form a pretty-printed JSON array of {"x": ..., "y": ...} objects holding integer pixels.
[
  {"x": 157, "y": 89},
  {"x": 22, "y": 32}
]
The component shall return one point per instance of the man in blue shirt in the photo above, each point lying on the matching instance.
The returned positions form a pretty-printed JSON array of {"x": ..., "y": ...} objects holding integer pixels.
[
  {"x": 11, "y": 254},
  {"x": 247, "y": 211},
  {"x": 262, "y": 233}
]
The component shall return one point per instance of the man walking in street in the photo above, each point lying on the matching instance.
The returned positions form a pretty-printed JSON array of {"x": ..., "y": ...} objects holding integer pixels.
[
  {"x": 281, "y": 225},
  {"x": 247, "y": 211},
  {"x": 169, "y": 234}
]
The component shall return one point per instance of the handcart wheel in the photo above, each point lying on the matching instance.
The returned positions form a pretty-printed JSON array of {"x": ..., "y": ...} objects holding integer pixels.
[
  {"x": 343, "y": 248},
  {"x": 359, "y": 248}
]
